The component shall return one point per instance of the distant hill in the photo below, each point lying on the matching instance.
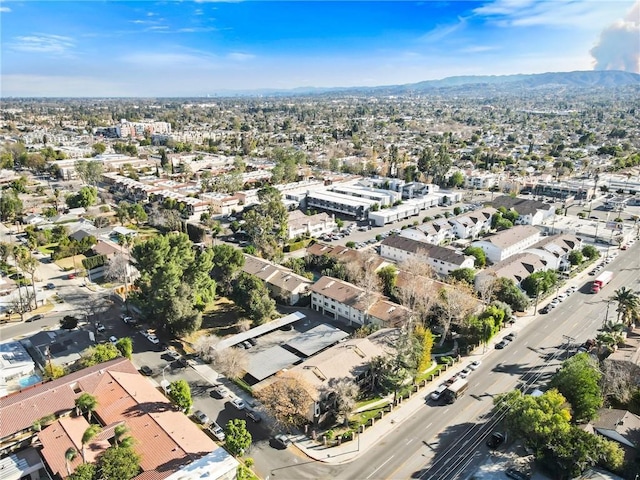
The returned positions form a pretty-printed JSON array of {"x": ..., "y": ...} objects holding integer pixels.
[{"x": 463, "y": 84}]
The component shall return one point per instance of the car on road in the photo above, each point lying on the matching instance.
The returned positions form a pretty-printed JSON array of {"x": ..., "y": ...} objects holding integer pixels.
[
  {"x": 153, "y": 339},
  {"x": 475, "y": 364},
  {"x": 100, "y": 328},
  {"x": 127, "y": 319},
  {"x": 113, "y": 339},
  {"x": 146, "y": 370},
  {"x": 50, "y": 286},
  {"x": 511, "y": 336},
  {"x": 554, "y": 303},
  {"x": 544, "y": 310},
  {"x": 201, "y": 417},
  {"x": 219, "y": 392},
  {"x": 281, "y": 441},
  {"x": 562, "y": 297},
  {"x": 465, "y": 373},
  {"x": 217, "y": 431},
  {"x": 501, "y": 344},
  {"x": 495, "y": 440},
  {"x": 35, "y": 318},
  {"x": 173, "y": 354},
  {"x": 437, "y": 393},
  {"x": 254, "y": 416},
  {"x": 71, "y": 276},
  {"x": 238, "y": 403}
]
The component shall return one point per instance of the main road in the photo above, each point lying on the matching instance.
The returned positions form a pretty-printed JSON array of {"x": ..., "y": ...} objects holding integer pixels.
[{"x": 447, "y": 442}]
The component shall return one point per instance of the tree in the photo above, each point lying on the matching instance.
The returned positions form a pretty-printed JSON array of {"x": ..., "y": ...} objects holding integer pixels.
[
  {"x": 628, "y": 305},
  {"x": 118, "y": 269},
  {"x": 53, "y": 371},
  {"x": 466, "y": 275},
  {"x": 99, "y": 148},
  {"x": 590, "y": 252},
  {"x": 10, "y": 206},
  {"x": 231, "y": 362},
  {"x": 86, "y": 403},
  {"x": 26, "y": 262},
  {"x": 84, "y": 471},
  {"x": 69, "y": 456},
  {"x": 479, "y": 255},
  {"x": 250, "y": 294},
  {"x": 575, "y": 257},
  {"x": 578, "y": 380},
  {"x": 86, "y": 197},
  {"x": 125, "y": 347},
  {"x": 539, "y": 282},
  {"x": 266, "y": 224},
  {"x": 341, "y": 394},
  {"x": 505, "y": 290},
  {"x": 205, "y": 346},
  {"x": 288, "y": 400},
  {"x": 425, "y": 338},
  {"x": 89, "y": 172},
  {"x": 456, "y": 180},
  {"x": 103, "y": 352},
  {"x": 180, "y": 393},
  {"x": 237, "y": 439},
  {"x": 68, "y": 322},
  {"x": 118, "y": 433},
  {"x": 118, "y": 463},
  {"x": 455, "y": 303},
  {"x": 87, "y": 436},
  {"x": 388, "y": 277}
]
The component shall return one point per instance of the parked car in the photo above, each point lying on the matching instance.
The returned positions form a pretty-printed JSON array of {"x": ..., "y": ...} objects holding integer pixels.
[
  {"x": 35, "y": 318},
  {"x": 281, "y": 441},
  {"x": 253, "y": 416},
  {"x": 100, "y": 328},
  {"x": 219, "y": 392},
  {"x": 465, "y": 373},
  {"x": 153, "y": 339},
  {"x": 201, "y": 417},
  {"x": 238, "y": 403},
  {"x": 173, "y": 354},
  {"x": 495, "y": 440},
  {"x": 246, "y": 344},
  {"x": 511, "y": 336},
  {"x": 71, "y": 276},
  {"x": 113, "y": 339},
  {"x": 145, "y": 370},
  {"x": 543, "y": 310},
  {"x": 253, "y": 341},
  {"x": 500, "y": 345},
  {"x": 516, "y": 474},
  {"x": 217, "y": 431},
  {"x": 50, "y": 286}
]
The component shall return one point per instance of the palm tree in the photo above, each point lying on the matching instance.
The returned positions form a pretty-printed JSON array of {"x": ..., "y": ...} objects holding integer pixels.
[
  {"x": 86, "y": 403},
  {"x": 69, "y": 456},
  {"x": 628, "y": 303},
  {"x": 118, "y": 432},
  {"x": 87, "y": 436}
]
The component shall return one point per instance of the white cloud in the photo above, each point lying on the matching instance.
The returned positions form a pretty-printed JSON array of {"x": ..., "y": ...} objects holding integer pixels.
[
  {"x": 478, "y": 49},
  {"x": 42, "y": 43},
  {"x": 442, "y": 31},
  {"x": 5, "y": 9},
  {"x": 581, "y": 14}
]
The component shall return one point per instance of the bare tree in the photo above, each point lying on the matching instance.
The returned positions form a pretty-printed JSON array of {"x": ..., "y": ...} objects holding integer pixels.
[
  {"x": 28, "y": 264},
  {"x": 618, "y": 380},
  {"x": 231, "y": 362},
  {"x": 485, "y": 285},
  {"x": 418, "y": 294},
  {"x": 455, "y": 303},
  {"x": 288, "y": 400},
  {"x": 205, "y": 346},
  {"x": 118, "y": 269},
  {"x": 244, "y": 325},
  {"x": 362, "y": 272},
  {"x": 342, "y": 393}
]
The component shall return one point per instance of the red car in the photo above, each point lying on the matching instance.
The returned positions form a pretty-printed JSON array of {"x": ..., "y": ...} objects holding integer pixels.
[{"x": 71, "y": 276}]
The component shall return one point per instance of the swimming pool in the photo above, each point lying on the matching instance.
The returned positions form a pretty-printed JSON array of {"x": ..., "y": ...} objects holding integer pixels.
[{"x": 28, "y": 381}]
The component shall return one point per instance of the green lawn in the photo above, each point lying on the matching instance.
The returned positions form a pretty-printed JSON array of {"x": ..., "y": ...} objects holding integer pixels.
[
  {"x": 427, "y": 373},
  {"x": 363, "y": 417},
  {"x": 366, "y": 402},
  {"x": 47, "y": 249}
]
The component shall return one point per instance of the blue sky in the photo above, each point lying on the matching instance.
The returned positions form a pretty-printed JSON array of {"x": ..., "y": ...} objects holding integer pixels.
[{"x": 172, "y": 48}]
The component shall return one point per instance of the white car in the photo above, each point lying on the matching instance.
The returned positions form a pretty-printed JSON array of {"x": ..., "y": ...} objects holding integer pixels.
[
  {"x": 465, "y": 373},
  {"x": 438, "y": 392},
  {"x": 113, "y": 339},
  {"x": 238, "y": 403},
  {"x": 153, "y": 339},
  {"x": 217, "y": 431},
  {"x": 475, "y": 364}
]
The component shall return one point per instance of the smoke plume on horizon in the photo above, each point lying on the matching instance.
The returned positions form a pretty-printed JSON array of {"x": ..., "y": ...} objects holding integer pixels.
[{"x": 619, "y": 45}]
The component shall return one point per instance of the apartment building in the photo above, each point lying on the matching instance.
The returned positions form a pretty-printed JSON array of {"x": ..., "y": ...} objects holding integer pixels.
[
  {"x": 443, "y": 260},
  {"x": 283, "y": 284},
  {"x": 300, "y": 225},
  {"x": 506, "y": 243}
]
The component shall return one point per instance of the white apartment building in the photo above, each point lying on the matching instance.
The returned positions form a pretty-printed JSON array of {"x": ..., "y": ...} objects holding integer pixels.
[
  {"x": 508, "y": 242},
  {"x": 316, "y": 225},
  {"x": 443, "y": 260}
]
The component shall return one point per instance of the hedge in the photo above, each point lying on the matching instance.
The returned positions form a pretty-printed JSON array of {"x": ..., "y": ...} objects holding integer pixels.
[{"x": 93, "y": 262}]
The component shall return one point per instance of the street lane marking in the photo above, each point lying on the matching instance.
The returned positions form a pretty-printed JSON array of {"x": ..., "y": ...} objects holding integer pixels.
[
  {"x": 428, "y": 425},
  {"x": 387, "y": 461},
  {"x": 409, "y": 441}
]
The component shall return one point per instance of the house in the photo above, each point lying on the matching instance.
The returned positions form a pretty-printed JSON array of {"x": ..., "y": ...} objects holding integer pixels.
[
  {"x": 436, "y": 232},
  {"x": 531, "y": 212},
  {"x": 508, "y": 242},
  {"x": 221, "y": 204},
  {"x": 353, "y": 305},
  {"x": 346, "y": 255},
  {"x": 166, "y": 439},
  {"x": 285, "y": 285},
  {"x": 628, "y": 354},
  {"x": 443, "y": 260},
  {"x": 516, "y": 267},
  {"x": 619, "y": 426},
  {"x": 301, "y": 225},
  {"x": 555, "y": 250}
]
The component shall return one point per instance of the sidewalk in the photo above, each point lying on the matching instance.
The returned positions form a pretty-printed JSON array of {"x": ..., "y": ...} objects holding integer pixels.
[{"x": 348, "y": 451}]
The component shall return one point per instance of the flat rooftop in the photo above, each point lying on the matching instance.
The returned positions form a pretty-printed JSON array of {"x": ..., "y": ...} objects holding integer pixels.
[
  {"x": 268, "y": 362},
  {"x": 316, "y": 339}
]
